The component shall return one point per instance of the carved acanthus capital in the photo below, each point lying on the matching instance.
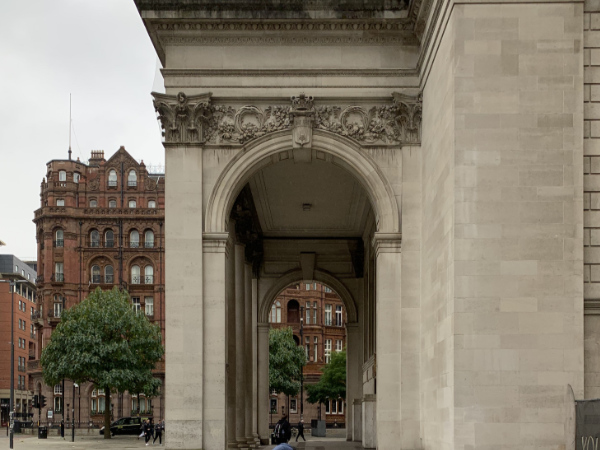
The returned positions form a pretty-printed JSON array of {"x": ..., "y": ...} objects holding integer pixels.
[
  {"x": 184, "y": 119},
  {"x": 409, "y": 114}
]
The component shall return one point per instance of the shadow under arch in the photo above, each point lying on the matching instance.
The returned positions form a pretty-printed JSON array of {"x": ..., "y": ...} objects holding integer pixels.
[
  {"x": 296, "y": 276},
  {"x": 257, "y": 156}
]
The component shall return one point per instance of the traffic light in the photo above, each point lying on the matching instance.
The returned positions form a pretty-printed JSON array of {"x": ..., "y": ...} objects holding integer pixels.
[
  {"x": 36, "y": 402},
  {"x": 42, "y": 401}
]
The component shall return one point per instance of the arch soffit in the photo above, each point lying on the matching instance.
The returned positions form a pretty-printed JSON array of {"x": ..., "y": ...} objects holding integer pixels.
[
  {"x": 256, "y": 156},
  {"x": 296, "y": 276}
]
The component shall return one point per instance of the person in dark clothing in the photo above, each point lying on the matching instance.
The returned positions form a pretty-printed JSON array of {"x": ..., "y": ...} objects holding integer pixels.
[
  {"x": 62, "y": 429},
  {"x": 148, "y": 431},
  {"x": 158, "y": 433},
  {"x": 300, "y": 430},
  {"x": 284, "y": 425}
]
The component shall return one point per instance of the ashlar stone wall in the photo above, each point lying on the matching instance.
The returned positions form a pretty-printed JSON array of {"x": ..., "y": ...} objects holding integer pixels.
[{"x": 503, "y": 269}]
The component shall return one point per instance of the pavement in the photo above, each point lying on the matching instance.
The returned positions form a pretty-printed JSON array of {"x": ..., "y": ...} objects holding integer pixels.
[{"x": 334, "y": 441}]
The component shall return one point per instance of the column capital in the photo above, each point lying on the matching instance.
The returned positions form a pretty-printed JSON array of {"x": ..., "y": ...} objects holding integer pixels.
[
  {"x": 263, "y": 327},
  {"x": 214, "y": 242},
  {"x": 184, "y": 119},
  {"x": 387, "y": 243},
  {"x": 352, "y": 327},
  {"x": 409, "y": 110}
]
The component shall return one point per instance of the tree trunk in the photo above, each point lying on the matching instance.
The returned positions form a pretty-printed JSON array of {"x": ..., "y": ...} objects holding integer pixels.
[{"x": 107, "y": 433}]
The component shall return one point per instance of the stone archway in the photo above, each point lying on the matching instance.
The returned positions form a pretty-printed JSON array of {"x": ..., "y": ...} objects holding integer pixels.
[{"x": 355, "y": 227}]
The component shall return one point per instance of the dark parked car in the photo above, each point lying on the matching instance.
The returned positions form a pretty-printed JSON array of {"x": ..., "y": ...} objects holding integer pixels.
[{"x": 126, "y": 425}]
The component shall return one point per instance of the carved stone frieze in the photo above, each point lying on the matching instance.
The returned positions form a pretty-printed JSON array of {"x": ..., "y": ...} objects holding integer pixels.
[
  {"x": 395, "y": 123},
  {"x": 184, "y": 119},
  {"x": 310, "y": 26}
]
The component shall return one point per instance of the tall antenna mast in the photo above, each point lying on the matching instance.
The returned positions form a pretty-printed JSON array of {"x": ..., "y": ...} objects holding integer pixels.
[{"x": 70, "y": 127}]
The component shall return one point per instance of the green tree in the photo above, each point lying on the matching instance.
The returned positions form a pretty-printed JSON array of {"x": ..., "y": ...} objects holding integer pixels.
[
  {"x": 332, "y": 384},
  {"x": 286, "y": 360},
  {"x": 103, "y": 341}
]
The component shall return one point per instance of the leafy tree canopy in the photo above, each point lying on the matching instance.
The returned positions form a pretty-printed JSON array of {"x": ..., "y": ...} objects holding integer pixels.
[
  {"x": 103, "y": 341},
  {"x": 332, "y": 384},
  {"x": 286, "y": 360}
]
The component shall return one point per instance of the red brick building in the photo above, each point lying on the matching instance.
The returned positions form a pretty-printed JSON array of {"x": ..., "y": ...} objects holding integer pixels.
[
  {"x": 24, "y": 298},
  {"x": 100, "y": 224},
  {"x": 323, "y": 332}
]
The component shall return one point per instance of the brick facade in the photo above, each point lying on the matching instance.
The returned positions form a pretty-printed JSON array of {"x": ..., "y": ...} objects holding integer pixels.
[
  {"x": 322, "y": 331},
  {"x": 100, "y": 224}
]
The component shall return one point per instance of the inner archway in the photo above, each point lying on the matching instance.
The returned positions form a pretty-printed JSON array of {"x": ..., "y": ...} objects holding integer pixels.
[
  {"x": 289, "y": 221},
  {"x": 318, "y": 325}
]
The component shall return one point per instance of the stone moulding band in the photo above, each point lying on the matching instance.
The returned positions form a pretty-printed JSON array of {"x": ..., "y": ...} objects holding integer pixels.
[{"x": 195, "y": 119}]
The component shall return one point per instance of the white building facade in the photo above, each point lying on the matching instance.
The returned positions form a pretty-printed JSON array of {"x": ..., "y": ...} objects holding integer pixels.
[{"x": 426, "y": 161}]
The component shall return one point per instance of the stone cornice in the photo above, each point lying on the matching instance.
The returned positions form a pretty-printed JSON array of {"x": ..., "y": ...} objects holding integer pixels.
[
  {"x": 387, "y": 73},
  {"x": 196, "y": 119},
  {"x": 286, "y": 26},
  {"x": 311, "y": 40}
]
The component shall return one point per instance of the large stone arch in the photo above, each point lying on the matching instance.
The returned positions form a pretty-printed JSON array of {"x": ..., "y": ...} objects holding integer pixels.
[
  {"x": 296, "y": 275},
  {"x": 256, "y": 155}
]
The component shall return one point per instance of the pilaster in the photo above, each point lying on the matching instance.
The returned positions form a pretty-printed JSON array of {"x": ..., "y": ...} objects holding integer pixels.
[
  {"x": 215, "y": 349},
  {"x": 388, "y": 262},
  {"x": 263, "y": 381}
]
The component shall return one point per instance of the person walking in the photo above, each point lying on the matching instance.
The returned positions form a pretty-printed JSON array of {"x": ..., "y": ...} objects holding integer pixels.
[
  {"x": 283, "y": 431},
  {"x": 147, "y": 431},
  {"x": 300, "y": 430},
  {"x": 62, "y": 428},
  {"x": 158, "y": 433}
]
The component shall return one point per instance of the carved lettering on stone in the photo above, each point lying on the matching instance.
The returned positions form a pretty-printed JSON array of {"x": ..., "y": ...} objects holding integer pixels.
[{"x": 184, "y": 119}]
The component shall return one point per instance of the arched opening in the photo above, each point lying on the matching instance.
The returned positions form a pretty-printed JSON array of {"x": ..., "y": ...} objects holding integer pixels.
[
  {"x": 303, "y": 226},
  {"x": 307, "y": 300}
]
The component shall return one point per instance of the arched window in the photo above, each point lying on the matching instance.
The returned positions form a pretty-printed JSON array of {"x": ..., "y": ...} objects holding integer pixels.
[
  {"x": 151, "y": 204},
  {"x": 135, "y": 274},
  {"x": 149, "y": 239},
  {"x": 112, "y": 178},
  {"x": 132, "y": 178},
  {"x": 94, "y": 238},
  {"x": 62, "y": 175},
  {"x": 93, "y": 203},
  {"x": 59, "y": 242},
  {"x": 95, "y": 274},
  {"x": 112, "y": 203},
  {"x": 148, "y": 275},
  {"x": 134, "y": 239},
  {"x": 109, "y": 239},
  {"x": 76, "y": 177},
  {"x": 276, "y": 312},
  {"x": 132, "y": 204},
  {"x": 108, "y": 275}
]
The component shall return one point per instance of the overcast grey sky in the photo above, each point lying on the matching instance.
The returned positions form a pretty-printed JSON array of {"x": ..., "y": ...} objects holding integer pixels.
[{"x": 99, "y": 52}]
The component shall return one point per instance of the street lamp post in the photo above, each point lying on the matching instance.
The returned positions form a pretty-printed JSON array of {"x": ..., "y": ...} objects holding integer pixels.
[
  {"x": 302, "y": 366},
  {"x": 73, "y": 413}
]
